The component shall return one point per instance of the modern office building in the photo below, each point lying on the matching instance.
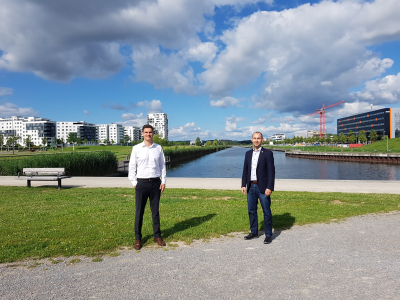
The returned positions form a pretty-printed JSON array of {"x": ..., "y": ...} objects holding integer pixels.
[
  {"x": 279, "y": 137},
  {"x": 83, "y": 130},
  {"x": 37, "y": 129},
  {"x": 160, "y": 123},
  {"x": 134, "y": 133},
  {"x": 385, "y": 121},
  {"x": 306, "y": 133}
]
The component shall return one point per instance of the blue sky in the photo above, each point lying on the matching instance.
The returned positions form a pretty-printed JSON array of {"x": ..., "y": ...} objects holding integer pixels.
[{"x": 219, "y": 68}]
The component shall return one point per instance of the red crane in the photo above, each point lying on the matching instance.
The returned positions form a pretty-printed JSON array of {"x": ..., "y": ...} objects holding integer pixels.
[{"x": 321, "y": 112}]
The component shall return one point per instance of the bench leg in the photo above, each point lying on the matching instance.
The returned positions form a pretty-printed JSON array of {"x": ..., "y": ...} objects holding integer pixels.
[
  {"x": 59, "y": 184},
  {"x": 28, "y": 183}
]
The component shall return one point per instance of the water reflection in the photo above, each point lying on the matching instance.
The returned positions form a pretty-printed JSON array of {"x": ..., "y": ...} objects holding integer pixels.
[{"x": 229, "y": 163}]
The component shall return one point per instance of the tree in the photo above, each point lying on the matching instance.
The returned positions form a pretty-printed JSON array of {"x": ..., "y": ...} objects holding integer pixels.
[
  {"x": 335, "y": 139},
  {"x": 158, "y": 140},
  {"x": 1, "y": 141},
  {"x": 215, "y": 143},
  {"x": 362, "y": 137},
  {"x": 112, "y": 142},
  {"x": 127, "y": 138},
  {"x": 342, "y": 138},
  {"x": 208, "y": 143},
  {"x": 44, "y": 142},
  {"x": 105, "y": 141},
  {"x": 59, "y": 142},
  {"x": 351, "y": 137},
  {"x": 85, "y": 141},
  {"x": 198, "y": 141},
  {"x": 79, "y": 141},
  {"x": 373, "y": 136},
  {"x": 72, "y": 138},
  {"x": 328, "y": 139},
  {"x": 92, "y": 141},
  {"x": 28, "y": 142}
]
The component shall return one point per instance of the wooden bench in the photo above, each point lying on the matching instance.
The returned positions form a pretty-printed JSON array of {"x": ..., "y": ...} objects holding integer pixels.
[{"x": 43, "y": 174}]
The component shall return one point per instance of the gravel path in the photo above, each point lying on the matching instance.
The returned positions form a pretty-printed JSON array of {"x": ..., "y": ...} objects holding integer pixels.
[{"x": 354, "y": 259}]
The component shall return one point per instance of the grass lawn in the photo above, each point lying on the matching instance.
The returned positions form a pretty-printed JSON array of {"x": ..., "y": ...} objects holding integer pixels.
[{"x": 43, "y": 222}]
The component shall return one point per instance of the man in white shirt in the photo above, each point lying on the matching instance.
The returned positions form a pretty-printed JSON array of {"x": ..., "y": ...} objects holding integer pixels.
[{"x": 147, "y": 173}]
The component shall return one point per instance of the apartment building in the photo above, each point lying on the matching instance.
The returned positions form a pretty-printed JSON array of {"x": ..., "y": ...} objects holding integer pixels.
[
  {"x": 134, "y": 133},
  {"x": 102, "y": 133},
  {"x": 35, "y": 128},
  {"x": 83, "y": 130},
  {"x": 160, "y": 123},
  {"x": 115, "y": 133}
]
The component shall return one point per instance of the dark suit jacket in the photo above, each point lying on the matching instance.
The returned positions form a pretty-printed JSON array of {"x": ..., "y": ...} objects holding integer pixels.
[{"x": 265, "y": 170}]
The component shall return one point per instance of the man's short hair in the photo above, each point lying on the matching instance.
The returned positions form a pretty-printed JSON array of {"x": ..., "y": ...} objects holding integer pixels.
[
  {"x": 257, "y": 132},
  {"x": 147, "y": 126}
]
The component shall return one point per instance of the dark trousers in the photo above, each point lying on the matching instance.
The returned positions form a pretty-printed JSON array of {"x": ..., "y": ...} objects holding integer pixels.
[
  {"x": 253, "y": 196},
  {"x": 148, "y": 189}
]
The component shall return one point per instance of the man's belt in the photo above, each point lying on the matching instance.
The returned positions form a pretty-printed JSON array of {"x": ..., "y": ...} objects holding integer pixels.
[
  {"x": 255, "y": 181},
  {"x": 148, "y": 179}
]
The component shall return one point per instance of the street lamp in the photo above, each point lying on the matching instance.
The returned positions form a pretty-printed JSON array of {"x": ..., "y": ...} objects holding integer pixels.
[{"x": 387, "y": 142}]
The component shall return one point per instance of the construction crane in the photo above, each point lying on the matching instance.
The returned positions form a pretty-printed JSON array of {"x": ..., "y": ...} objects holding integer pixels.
[{"x": 321, "y": 112}]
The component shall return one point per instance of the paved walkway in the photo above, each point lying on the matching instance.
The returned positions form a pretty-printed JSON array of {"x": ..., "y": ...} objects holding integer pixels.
[
  {"x": 355, "y": 259},
  {"x": 343, "y": 186}
]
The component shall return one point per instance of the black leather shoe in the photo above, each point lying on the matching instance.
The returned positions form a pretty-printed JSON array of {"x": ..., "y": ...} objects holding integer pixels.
[
  {"x": 251, "y": 236},
  {"x": 268, "y": 240}
]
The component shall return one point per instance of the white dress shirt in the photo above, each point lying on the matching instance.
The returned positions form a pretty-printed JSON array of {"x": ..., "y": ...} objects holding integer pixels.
[
  {"x": 147, "y": 162},
  {"x": 254, "y": 162}
]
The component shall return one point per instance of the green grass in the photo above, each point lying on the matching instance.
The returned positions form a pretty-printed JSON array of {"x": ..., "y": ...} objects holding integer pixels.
[{"x": 43, "y": 222}]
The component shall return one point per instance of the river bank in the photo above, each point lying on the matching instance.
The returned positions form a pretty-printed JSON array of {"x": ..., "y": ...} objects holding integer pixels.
[{"x": 372, "y": 158}]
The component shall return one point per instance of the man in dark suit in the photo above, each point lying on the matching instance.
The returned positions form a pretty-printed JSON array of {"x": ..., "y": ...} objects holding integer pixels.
[{"x": 258, "y": 181}]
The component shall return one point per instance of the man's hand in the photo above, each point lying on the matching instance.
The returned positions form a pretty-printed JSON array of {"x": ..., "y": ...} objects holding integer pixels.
[
  {"x": 162, "y": 187},
  {"x": 244, "y": 190},
  {"x": 268, "y": 192}
]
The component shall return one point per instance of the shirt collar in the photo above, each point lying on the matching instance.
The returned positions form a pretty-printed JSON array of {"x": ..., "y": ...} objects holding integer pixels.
[
  {"x": 144, "y": 145},
  {"x": 259, "y": 149}
]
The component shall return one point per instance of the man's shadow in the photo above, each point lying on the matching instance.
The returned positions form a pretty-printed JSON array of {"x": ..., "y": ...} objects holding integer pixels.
[
  {"x": 183, "y": 225},
  {"x": 281, "y": 222}
]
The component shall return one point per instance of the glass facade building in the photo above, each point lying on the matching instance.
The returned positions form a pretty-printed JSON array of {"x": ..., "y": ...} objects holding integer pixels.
[{"x": 380, "y": 120}]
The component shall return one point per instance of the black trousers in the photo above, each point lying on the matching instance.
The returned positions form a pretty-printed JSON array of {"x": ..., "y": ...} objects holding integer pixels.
[{"x": 148, "y": 189}]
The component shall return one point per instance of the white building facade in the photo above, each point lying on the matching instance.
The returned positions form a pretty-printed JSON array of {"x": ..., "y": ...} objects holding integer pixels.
[
  {"x": 83, "y": 130},
  {"x": 160, "y": 123},
  {"x": 279, "y": 137},
  {"x": 39, "y": 130},
  {"x": 134, "y": 133},
  {"x": 115, "y": 133}
]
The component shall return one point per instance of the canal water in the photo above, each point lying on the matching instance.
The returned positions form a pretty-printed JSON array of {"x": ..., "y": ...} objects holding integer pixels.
[{"x": 229, "y": 164}]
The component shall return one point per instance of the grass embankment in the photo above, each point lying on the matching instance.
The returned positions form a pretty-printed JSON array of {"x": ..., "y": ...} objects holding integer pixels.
[
  {"x": 375, "y": 147},
  {"x": 43, "y": 222}
]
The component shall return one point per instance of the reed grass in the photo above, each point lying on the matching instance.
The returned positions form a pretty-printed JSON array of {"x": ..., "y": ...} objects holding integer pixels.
[{"x": 97, "y": 163}]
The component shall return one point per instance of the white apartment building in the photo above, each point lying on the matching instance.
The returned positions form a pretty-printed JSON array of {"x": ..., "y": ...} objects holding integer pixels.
[
  {"x": 115, "y": 133},
  {"x": 134, "y": 133},
  {"x": 83, "y": 130},
  {"x": 160, "y": 123},
  {"x": 34, "y": 127},
  {"x": 306, "y": 133},
  {"x": 101, "y": 133}
]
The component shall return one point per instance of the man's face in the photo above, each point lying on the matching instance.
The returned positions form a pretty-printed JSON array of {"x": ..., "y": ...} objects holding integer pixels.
[
  {"x": 148, "y": 134},
  {"x": 256, "y": 140}
]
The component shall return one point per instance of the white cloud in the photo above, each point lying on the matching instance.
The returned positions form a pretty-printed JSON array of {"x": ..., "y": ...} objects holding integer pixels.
[
  {"x": 133, "y": 119},
  {"x": 305, "y": 54},
  {"x": 225, "y": 102},
  {"x": 86, "y": 112},
  {"x": 188, "y": 132},
  {"x": 259, "y": 121},
  {"x": 5, "y": 91},
  {"x": 9, "y": 109},
  {"x": 381, "y": 90},
  {"x": 231, "y": 122}
]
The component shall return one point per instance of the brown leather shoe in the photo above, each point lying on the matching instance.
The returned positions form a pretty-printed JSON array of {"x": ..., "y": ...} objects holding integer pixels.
[
  {"x": 138, "y": 245},
  {"x": 160, "y": 242}
]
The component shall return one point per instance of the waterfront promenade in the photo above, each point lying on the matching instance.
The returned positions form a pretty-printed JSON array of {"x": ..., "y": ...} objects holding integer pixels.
[{"x": 305, "y": 185}]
